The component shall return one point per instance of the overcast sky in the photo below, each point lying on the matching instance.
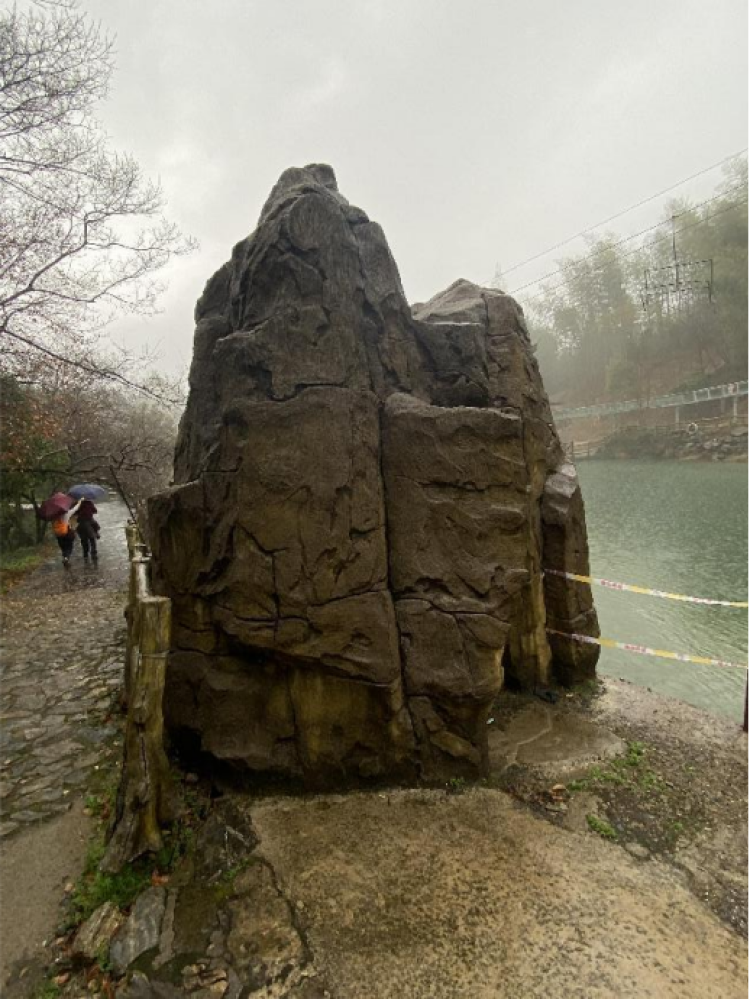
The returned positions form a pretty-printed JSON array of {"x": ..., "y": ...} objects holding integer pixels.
[{"x": 476, "y": 132}]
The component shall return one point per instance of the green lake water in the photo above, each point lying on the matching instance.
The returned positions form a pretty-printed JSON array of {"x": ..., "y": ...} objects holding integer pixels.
[{"x": 680, "y": 527}]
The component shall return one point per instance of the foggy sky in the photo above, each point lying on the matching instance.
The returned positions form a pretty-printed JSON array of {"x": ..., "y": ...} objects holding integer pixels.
[{"x": 475, "y": 132}]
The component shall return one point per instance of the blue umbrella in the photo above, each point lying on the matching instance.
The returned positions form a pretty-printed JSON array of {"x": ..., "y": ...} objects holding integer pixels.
[{"x": 87, "y": 490}]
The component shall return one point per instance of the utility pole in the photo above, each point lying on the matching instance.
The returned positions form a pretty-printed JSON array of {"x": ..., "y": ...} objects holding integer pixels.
[
  {"x": 681, "y": 283},
  {"x": 675, "y": 287}
]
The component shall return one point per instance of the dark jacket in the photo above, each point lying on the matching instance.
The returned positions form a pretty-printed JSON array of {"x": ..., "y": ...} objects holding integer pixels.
[
  {"x": 86, "y": 511},
  {"x": 87, "y": 526}
]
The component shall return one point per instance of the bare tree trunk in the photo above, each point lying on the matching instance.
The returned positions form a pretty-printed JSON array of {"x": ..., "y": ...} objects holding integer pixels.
[
  {"x": 124, "y": 497},
  {"x": 41, "y": 525}
]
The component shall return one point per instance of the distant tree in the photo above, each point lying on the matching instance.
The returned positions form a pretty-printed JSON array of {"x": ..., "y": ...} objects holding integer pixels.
[
  {"x": 126, "y": 441},
  {"x": 65, "y": 430},
  {"x": 590, "y": 314},
  {"x": 600, "y": 337},
  {"x": 83, "y": 234},
  {"x": 30, "y": 459}
]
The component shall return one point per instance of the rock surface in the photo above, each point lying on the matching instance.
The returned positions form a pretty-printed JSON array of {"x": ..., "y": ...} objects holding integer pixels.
[
  {"x": 95, "y": 934},
  {"x": 141, "y": 931},
  {"x": 364, "y": 501}
]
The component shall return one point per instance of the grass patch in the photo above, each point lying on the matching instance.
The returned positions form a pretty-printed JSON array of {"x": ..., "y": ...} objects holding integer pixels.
[
  {"x": 601, "y": 827},
  {"x": 101, "y": 804},
  {"x": 636, "y": 751},
  {"x": 587, "y": 689},
  {"x": 178, "y": 843},
  {"x": 630, "y": 769},
  {"x": 102, "y": 960},
  {"x": 94, "y": 887},
  {"x": 47, "y": 990},
  {"x": 225, "y": 887},
  {"x": 16, "y": 564},
  {"x": 649, "y": 781}
]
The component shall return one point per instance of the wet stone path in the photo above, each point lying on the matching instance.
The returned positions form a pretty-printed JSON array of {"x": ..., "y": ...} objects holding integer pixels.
[{"x": 61, "y": 663}]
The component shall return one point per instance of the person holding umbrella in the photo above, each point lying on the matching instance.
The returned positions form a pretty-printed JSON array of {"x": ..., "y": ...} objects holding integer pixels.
[
  {"x": 88, "y": 527},
  {"x": 65, "y": 532}
]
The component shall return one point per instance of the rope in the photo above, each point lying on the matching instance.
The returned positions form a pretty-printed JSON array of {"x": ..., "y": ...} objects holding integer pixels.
[
  {"x": 644, "y": 650},
  {"x": 627, "y": 587}
]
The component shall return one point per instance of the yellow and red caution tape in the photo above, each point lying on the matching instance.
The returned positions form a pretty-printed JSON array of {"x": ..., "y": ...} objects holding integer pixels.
[
  {"x": 644, "y": 650},
  {"x": 611, "y": 585}
]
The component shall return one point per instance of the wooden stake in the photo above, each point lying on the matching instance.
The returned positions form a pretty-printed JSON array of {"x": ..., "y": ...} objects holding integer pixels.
[{"x": 145, "y": 797}]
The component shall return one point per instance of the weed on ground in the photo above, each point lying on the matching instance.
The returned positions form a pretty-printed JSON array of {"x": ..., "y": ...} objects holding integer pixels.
[{"x": 17, "y": 564}]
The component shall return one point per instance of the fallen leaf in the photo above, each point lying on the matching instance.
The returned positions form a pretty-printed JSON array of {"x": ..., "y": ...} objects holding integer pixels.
[{"x": 62, "y": 979}]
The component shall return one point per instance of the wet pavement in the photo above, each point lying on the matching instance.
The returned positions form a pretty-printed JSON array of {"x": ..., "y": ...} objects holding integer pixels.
[{"x": 61, "y": 661}]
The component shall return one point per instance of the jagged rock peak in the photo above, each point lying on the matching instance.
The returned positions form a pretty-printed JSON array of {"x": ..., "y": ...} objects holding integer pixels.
[
  {"x": 365, "y": 499},
  {"x": 297, "y": 181}
]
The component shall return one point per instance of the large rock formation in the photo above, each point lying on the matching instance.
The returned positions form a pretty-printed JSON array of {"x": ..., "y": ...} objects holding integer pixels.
[{"x": 364, "y": 501}]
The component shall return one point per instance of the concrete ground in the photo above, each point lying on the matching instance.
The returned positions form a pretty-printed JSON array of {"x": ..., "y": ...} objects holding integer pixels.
[
  {"x": 505, "y": 890},
  {"x": 426, "y": 894},
  {"x": 34, "y": 871},
  {"x": 604, "y": 857}
]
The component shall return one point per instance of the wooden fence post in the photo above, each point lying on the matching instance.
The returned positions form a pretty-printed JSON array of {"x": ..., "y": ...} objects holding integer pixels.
[
  {"x": 131, "y": 536},
  {"x": 138, "y": 586},
  {"x": 145, "y": 798}
]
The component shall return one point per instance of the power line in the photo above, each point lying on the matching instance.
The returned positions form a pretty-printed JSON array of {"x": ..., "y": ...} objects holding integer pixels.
[
  {"x": 635, "y": 235},
  {"x": 619, "y": 214},
  {"x": 639, "y": 249}
]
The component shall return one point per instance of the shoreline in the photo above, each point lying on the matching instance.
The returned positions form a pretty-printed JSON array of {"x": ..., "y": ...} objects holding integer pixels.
[{"x": 697, "y": 444}]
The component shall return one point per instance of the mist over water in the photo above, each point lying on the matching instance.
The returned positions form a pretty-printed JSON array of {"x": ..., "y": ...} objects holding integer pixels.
[{"x": 680, "y": 527}]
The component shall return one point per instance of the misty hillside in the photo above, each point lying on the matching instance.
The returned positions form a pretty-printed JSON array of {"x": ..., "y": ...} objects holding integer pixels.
[{"x": 630, "y": 320}]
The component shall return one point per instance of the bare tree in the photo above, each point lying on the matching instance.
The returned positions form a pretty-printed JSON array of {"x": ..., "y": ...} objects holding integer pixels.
[
  {"x": 65, "y": 428},
  {"x": 126, "y": 442},
  {"x": 84, "y": 237}
]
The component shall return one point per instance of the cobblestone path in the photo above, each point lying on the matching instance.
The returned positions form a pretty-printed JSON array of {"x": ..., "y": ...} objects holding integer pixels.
[{"x": 61, "y": 661}]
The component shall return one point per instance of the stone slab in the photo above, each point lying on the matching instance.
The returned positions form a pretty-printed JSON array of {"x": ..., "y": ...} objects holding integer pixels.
[
  {"x": 142, "y": 930},
  {"x": 467, "y": 896}
]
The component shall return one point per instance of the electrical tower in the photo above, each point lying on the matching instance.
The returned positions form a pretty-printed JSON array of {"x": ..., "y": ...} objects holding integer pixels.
[
  {"x": 671, "y": 290},
  {"x": 677, "y": 286}
]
